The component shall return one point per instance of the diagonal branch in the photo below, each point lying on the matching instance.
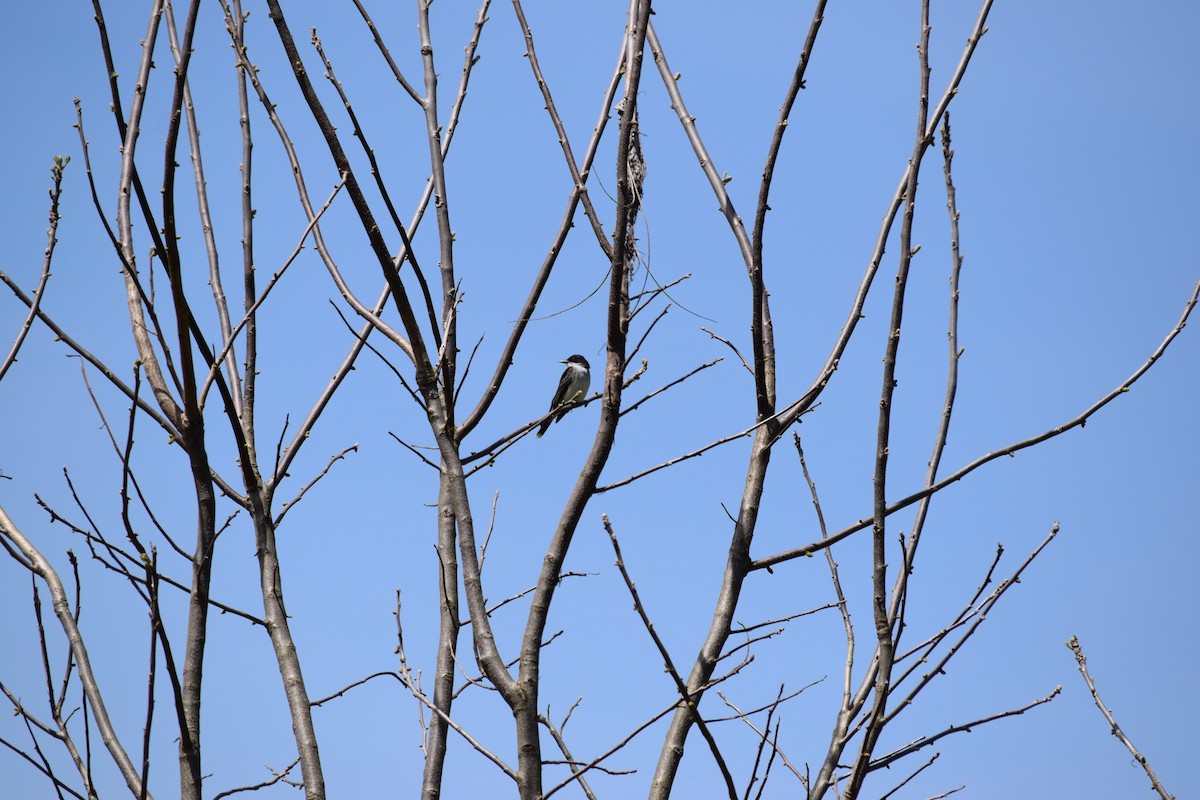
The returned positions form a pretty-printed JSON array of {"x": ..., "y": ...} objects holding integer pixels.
[
  {"x": 1078, "y": 421},
  {"x": 60, "y": 164},
  {"x": 62, "y": 609},
  {"x": 1081, "y": 659},
  {"x": 685, "y": 695}
]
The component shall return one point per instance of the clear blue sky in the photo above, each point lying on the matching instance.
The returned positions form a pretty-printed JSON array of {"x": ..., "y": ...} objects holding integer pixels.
[{"x": 1076, "y": 169}]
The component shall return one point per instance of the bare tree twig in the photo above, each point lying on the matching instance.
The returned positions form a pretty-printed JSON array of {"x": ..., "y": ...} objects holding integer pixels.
[
  {"x": 684, "y": 694},
  {"x": 619, "y": 745},
  {"x": 336, "y": 457},
  {"x": 420, "y": 696},
  {"x": 732, "y": 347},
  {"x": 46, "y": 572},
  {"x": 58, "y": 784},
  {"x": 779, "y": 700},
  {"x": 646, "y": 334},
  {"x": 505, "y": 360},
  {"x": 676, "y": 382},
  {"x": 1081, "y": 660},
  {"x": 1078, "y": 421},
  {"x": 60, "y": 164},
  {"x": 644, "y": 297},
  {"x": 899, "y": 600},
  {"x": 578, "y": 176},
  {"x": 279, "y": 776},
  {"x": 556, "y": 734},
  {"x": 940, "y": 665},
  {"x": 380, "y": 184},
  {"x": 745, "y": 717},
  {"x": 387, "y": 56},
  {"x": 416, "y": 451},
  {"x": 248, "y": 316},
  {"x": 763, "y": 737},
  {"x": 925, "y": 741},
  {"x": 970, "y": 611},
  {"x": 885, "y": 646},
  {"x": 124, "y": 555},
  {"x": 947, "y": 793},
  {"x": 912, "y": 775}
]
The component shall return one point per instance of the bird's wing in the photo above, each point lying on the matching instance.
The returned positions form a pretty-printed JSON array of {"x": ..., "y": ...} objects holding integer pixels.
[{"x": 564, "y": 385}]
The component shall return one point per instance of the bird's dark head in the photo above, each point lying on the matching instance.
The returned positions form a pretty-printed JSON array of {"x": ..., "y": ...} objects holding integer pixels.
[{"x": 578, "y": 361}]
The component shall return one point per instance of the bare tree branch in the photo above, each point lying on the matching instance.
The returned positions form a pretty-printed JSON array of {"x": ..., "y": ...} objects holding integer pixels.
[
  {"x": 1078, "y": 421},
  {"x": 62, "y": 610},
  {"x": 60, "y": 164},
  {"x": 685, "y": 696},
  {"x": 1081, "y": 660},
  {"x": 925, "y": 741},
  {"x": 278, "y": 776}
]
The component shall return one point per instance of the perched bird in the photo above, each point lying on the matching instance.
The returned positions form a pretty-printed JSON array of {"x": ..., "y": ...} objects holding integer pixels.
[{"x": 573, "y": 385}]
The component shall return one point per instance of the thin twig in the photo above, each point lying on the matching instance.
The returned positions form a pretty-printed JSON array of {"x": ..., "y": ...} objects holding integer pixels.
[
  {"x": 900, "y": 591},
  {"x": 912, "y": 775},
  {"x": 506, "y": 358},
  {"x": 336, "y": 457},
  {"x": 939, "y": 666},
  {"x": 732, "y": 347},
  {"x": 249, "y": 314},
  {"x": 47, "y": 573},
  {"x": 925, "y": 741},
  {"x": 58, "y": 784},
  {"x": 680, "y": 685},
  {"x": 673, "y": 383},
  {"x": 578, "y": 176},
  {"x": 1078, "y": 421},
  {"x": 56, "y": 171},
  {"x": 745, "y": 717},
  {"x": 1081, "y": 660},
  {"x": 556, "y": 734},
  {"x": 596, "y": 761},
  {"x": 279, "y": 776}
]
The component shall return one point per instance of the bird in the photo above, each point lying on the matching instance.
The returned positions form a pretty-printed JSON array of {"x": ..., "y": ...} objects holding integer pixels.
[{"x": 573, "y": 385}]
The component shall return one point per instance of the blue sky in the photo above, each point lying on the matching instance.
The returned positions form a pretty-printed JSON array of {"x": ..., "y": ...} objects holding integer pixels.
[{"x": 1076, "y": 168}]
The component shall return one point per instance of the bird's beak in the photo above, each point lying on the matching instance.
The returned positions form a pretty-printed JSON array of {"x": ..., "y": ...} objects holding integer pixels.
[{"x": 563, "y": 361}]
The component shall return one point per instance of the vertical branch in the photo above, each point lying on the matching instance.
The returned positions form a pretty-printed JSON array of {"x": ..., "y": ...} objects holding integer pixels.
[
  {"x": 762, "y": 336},
  {"x": 800, "y": 406},
  {"x": 151, "y": 578},
  {"x": 202, "y": 564},
  {"x": 133, "y": 295},
  {"x": 249, "y": 288},
  {"x": 629, "y": 173},
  {"x": 433, "y": 132},
  {"x": 171, "y": 257},
  {"x": 202, "y": 206},
  {"x": 190, "y": 420},
  {"x": 885, "y": 647},
  {"x": 443, "y": 679},
  {"x": 286, "y": 657},
  {"x": 900, "y": 593},
  {"x": 738, "y": 560},
  {"x": 155, "y": 623},
  {"x": 850, "y": 705}
]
